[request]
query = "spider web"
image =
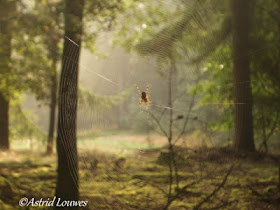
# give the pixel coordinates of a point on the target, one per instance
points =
(99, 156)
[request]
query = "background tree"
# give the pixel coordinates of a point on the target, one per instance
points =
(52, 40)
(266, 90)
(42, 79)
(48, 29)
(7, 10)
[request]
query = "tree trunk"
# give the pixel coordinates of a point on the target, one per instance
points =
(7, 8)
(170, 134)
(279, 78)
(4, 123)
(278, 75)
(52, 110)
(241, 14)
(67, 187)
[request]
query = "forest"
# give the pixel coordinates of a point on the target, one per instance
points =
(140, 104)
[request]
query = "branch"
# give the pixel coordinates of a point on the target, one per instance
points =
(183, 192)
(158, 122)
(187, 118)
(274, 126)
(146, 182)
(260, 196)
(207, 198)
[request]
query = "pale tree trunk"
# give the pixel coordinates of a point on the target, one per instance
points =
(241, 14)
(52, 109)
(67, 187)
(53, 49)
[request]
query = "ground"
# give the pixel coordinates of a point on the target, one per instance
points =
(129, 172)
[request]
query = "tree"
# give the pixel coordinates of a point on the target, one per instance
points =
(7, 9)
(47, 19)
(52, 42)
(53, 100)
(66, 142)
(46, 16)
(241, 15)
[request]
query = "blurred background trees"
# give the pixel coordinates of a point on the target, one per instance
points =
(195, 36)
(212, 68)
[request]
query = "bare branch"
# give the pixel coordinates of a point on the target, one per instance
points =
(274, 126)
(187, 118)
(146, 182)
(207, 198)
(183, 192)
(158, 122)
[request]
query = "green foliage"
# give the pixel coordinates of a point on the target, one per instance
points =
(265, 69)
(217, 88)
(22, 125)
(99, 103)
(33, 67)
(100, 16)
(43, 27)
(142, 20)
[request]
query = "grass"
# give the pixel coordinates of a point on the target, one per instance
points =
(121, 143)
(141, 182)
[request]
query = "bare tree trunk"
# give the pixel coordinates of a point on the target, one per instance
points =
(171, 141)
(6, 8)
(4, 123)
(67, 187)
(171, 163)
(279, 77)
(170, 134)
(244, 137)
(53, 50)
(52, 110)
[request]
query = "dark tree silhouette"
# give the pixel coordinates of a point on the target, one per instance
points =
(4, 122)
(6, 9)
(67, 179)
(241, 14)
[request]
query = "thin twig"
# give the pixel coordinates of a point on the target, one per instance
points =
(186, 119)
(182, 192)
(158, 122)
(207, 198)
(152, 184)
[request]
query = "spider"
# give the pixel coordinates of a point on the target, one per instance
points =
(144, 96)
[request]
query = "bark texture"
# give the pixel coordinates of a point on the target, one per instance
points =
(67, 187)
(241, 15)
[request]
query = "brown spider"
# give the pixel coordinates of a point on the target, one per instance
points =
(144, 96)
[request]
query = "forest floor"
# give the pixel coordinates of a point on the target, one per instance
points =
(135, 175)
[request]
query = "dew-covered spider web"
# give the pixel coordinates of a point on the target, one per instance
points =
(134, 155)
